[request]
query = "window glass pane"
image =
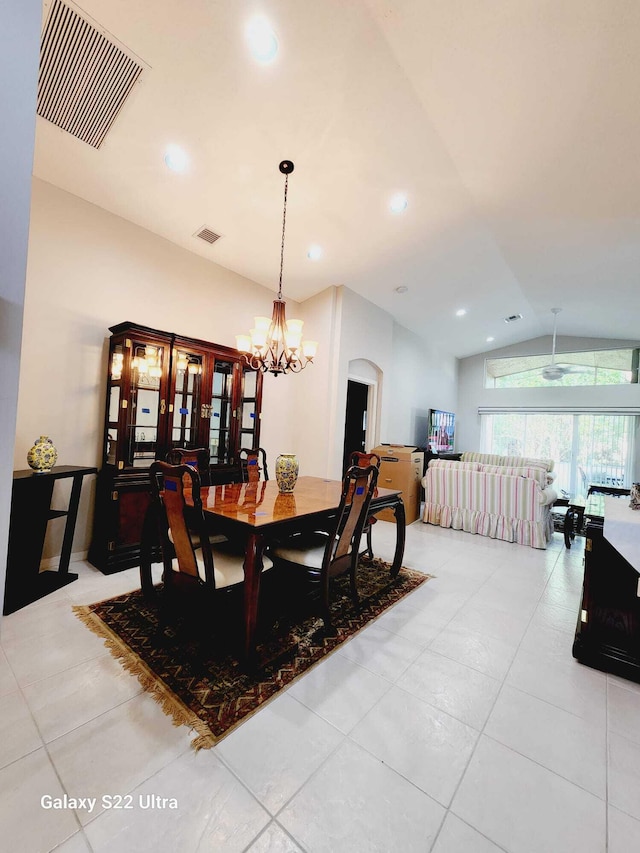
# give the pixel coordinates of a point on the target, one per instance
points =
(250, 383)
(597, 367)
(585, 448)
(248, 415)
(247, 440)
(112, 441)
(114, 404)
(219, 446)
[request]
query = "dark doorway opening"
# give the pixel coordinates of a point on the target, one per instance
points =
(355, 424)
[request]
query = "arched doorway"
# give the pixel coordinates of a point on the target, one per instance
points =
(361, 414)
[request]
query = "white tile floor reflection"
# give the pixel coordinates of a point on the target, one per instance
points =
(457, 723)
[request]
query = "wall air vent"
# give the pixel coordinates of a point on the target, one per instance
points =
(512, 318)
(85, 75)
(207, 235)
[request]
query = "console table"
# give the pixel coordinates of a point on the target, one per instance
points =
(30, 513)
(608, 630)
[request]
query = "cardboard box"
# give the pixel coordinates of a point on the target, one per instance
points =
(401, 467)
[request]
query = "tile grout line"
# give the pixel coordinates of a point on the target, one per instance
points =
(473, 751)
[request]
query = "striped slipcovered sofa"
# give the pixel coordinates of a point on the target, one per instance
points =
(503, 502)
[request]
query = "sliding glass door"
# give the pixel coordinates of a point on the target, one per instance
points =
(586, 448)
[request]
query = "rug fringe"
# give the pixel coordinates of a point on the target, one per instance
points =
(171, 704)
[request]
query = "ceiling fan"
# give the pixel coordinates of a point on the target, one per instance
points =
(553, 372)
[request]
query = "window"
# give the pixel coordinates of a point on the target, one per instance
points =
(600, 367)
(585, 448)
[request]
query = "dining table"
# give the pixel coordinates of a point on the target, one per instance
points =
(258, 513)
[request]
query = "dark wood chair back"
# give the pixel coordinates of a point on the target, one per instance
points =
(198, 457)
(169, 486)
(341, 552)
(254, 464)
(364, 459)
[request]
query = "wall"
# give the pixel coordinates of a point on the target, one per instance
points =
(423, 379)
(472, 393)
(88, 270)
(314, 413)
(413, 377)
(19, 47)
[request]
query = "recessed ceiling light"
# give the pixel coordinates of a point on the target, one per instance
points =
(176, 158)
(461, 312)
(314, 253)
(402, 288)
(263, 43)
(398, 203)
(489, 339)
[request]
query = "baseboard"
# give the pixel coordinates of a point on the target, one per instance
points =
(52, 562)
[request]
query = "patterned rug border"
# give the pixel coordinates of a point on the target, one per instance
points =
(171, 704)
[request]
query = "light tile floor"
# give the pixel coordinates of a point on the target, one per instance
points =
(457, 723)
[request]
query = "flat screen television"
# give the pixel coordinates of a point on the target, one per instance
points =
(441, 431)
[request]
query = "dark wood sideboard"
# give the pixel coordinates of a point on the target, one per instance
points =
(31, 511)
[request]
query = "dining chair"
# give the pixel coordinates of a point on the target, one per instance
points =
(191, 564)
(323, 556)
(197, 456)
(362, 460)
(253, 463)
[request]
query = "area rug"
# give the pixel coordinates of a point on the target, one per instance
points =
(210, 691)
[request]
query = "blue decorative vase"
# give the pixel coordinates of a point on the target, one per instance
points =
(286, 472)
(42, 456)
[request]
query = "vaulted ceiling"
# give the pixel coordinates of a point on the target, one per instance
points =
(513, 128)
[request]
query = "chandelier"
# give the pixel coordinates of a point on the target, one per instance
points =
(275, 345)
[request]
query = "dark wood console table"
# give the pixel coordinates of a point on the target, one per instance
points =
(30, 512)
(608, 630)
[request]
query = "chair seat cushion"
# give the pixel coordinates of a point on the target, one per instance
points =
(305, 550)
(227, 565)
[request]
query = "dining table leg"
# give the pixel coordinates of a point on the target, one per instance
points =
(252, 573)
(401, 532)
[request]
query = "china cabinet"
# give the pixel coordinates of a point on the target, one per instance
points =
(165, 390)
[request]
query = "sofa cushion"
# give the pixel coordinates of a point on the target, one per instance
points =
(450, 463)
(538, 474)
(511, 461)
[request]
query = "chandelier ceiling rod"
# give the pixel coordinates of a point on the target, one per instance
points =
(275, 345)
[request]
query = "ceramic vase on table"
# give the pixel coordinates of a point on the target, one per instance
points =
(286, 472)
(42, 456)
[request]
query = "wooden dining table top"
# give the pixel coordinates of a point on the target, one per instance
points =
(260, 504)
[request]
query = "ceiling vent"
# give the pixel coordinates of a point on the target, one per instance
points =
(207, 235)
(85, 75)
(512, 318)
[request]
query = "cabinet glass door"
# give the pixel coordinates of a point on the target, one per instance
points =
(187, 397)
(249, 409)
(222, 412)
(113, 404)
(144, 406)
